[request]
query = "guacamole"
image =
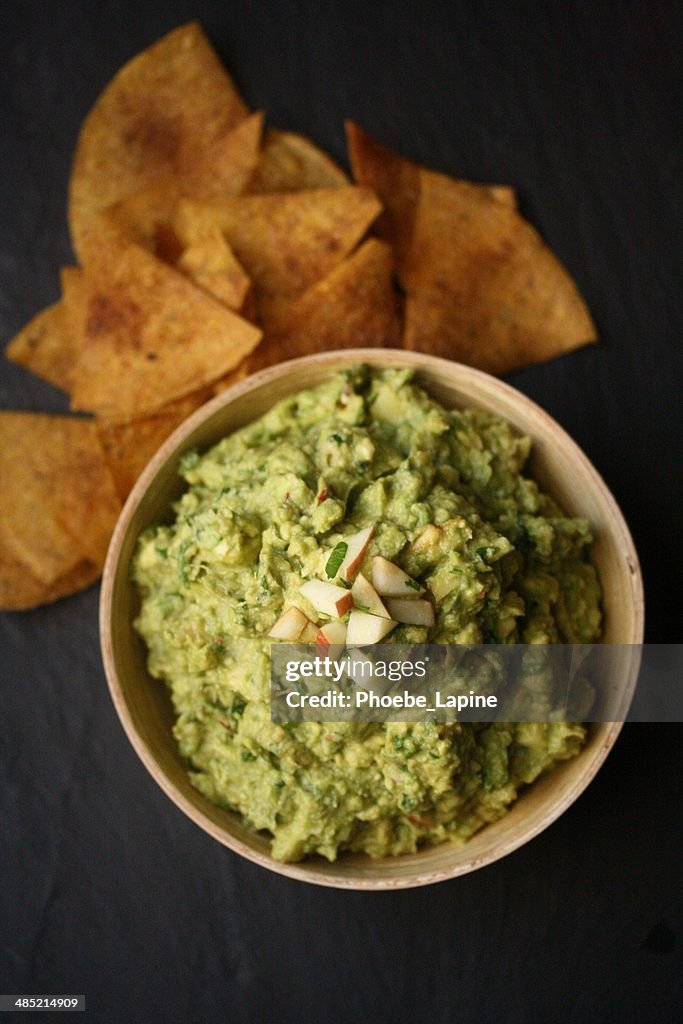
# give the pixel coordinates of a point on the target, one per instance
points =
(262, 510)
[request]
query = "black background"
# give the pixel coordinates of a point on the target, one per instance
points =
(106, 888)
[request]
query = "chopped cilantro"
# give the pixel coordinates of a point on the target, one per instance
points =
(238, 706)
(336, 558)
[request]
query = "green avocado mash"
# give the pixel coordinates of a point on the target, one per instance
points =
(263, 509)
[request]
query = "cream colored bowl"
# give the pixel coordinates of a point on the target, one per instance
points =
(143, 704)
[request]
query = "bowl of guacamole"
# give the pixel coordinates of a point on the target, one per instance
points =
(463, 485)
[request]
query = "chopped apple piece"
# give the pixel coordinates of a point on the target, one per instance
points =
(332, 637)
(332, 633)
(413, 613)
(309, 634)
(290, 625)
(429, 538)
(327, 598)
(355, 553)
(390, 581)
(367, 629)
(365, 594)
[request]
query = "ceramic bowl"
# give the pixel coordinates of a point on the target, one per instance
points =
(557, 464)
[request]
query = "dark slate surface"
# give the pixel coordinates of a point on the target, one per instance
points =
(106, 888)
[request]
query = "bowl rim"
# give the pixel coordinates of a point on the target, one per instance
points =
(299, 870)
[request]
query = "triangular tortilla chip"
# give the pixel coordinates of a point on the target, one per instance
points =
(240, 372)
(286, 240)
(353, 307)
(74, 294)
(146, 217)
(58, 504)
(224, 166)
(290, 162)
(209, 261)
(396, 180)
(482, 287)
(20, 590)
(150, 336)
(128, 447)
(46, 347)
(165, 106)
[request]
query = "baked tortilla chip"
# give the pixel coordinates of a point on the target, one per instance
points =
(46, 347)
(240, 373)
(353, 307)
(73, 304)
(396, 180)
(150, 336)
(144, 217)
(224, 166)
(209, 261)
(290, 162)
(286, 240)
(20, 590)
(58, 505)
(128, 447)
(481, 285)
(164, 107)
(147, 219)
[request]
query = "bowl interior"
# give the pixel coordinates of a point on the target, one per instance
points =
(143, 703)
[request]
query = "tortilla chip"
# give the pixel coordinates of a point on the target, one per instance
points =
(286, 241)
(504, 194)
(128, 447)
(355, 306)
(165, 106)
(290, 162)
(209, 261)
(224, 166)
(58, 505)
(144, 217)
(46, 347)
(482, 287)
(396, 180)
(150, 336)
(240, 373)
(20, 590)
(73, 303)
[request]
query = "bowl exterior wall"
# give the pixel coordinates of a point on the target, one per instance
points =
(559, 466)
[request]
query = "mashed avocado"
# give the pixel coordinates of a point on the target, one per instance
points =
(260, 514)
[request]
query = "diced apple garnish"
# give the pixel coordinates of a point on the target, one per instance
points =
(332, 638)
(365, 629)
(413, 613)
(366, 597)
(327, 598)
(390, 581)
(429, 538)
(309, 634)
(332, 633)
(358, 545)
(290, 625)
